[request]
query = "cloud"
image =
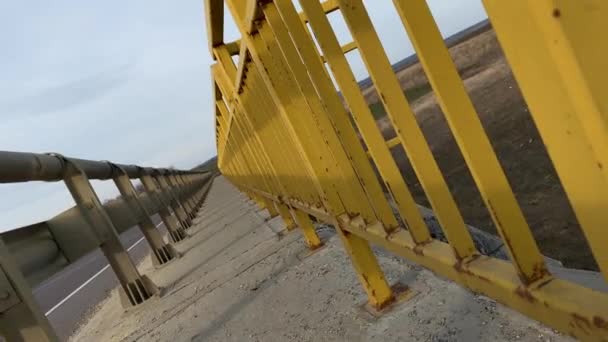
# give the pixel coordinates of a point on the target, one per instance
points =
(68, 94)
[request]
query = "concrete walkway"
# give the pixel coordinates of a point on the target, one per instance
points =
(242, 279)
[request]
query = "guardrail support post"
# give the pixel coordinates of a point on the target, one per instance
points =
(184, 198)
(176, 233)
(173, 201)
(202, 193)
(308, 229)
(137, 288)
(194, 196)
(178, 191)
(162, 252)
(183, 194)
(20, 316)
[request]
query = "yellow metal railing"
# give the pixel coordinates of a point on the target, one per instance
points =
(285, 138)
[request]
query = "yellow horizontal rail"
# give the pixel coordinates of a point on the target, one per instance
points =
(346, 48)
(329, 6)
(298, 146)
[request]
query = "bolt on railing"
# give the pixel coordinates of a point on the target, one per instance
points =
(177, 196)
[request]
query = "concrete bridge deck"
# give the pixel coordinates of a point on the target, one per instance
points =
(242, 277)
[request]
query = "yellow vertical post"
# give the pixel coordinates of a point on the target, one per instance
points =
(259, 202)
(308, 72)
(551, 107)
(273, 130)
(405, 125)
(335, 179)
(308, 229)
(223, 72)
(331, 157)
(568, 31)
(270, 207)
(433, 183)
(252, 154)
(250, 171)
(368, 270)
(461, 117)
(301, 139)
(338, 184)
(285, 213)
(280, 106)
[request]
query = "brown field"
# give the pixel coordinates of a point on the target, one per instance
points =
(505, 117)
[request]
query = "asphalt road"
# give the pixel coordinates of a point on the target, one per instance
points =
(66, 297)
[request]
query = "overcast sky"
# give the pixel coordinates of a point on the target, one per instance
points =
(128, 81)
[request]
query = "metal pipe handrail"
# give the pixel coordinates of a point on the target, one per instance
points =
(24, 167)
(90, 225)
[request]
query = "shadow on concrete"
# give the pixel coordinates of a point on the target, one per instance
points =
(216, 214)
(224, 317)
(221, 250)
(210, 234)
(237, 307)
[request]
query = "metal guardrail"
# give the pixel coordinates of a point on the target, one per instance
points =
(285, 139)
(32, 254)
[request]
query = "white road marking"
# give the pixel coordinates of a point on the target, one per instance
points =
(61, 302)
(133, 245)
